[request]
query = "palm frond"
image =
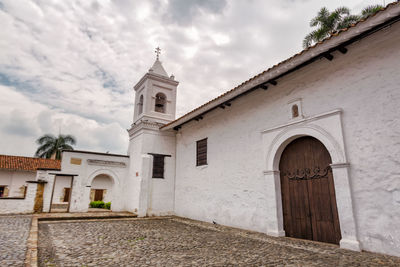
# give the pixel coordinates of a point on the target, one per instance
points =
(45, 139)
(42, 150)
(370, 10)
(50, 145)
(320, 18)
(347, 21)
(342, 10)
(321, 33)
(69, 139)
(308, 40)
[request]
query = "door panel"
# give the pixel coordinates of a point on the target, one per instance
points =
(308, 193)
(98, 195)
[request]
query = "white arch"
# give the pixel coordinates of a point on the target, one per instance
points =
(327, 128)
(106, 172)
(291, 133)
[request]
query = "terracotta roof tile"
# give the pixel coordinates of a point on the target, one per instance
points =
(17, 163)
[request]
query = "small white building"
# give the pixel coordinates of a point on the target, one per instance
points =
(18, 183)
(308, 148)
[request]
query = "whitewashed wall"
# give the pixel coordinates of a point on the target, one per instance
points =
(15, 180)
(147, 195)
(87, 172)
(61, 183)
(14, 206)
(363, 83)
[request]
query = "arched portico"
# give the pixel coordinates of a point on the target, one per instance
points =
(102, 184)
(327, 129)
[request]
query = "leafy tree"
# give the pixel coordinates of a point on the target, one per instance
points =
(370, 10)
(328, 23)
(50, 145)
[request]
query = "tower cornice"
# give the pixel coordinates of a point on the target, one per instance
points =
(155, 77)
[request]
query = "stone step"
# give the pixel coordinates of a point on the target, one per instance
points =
(86, 216)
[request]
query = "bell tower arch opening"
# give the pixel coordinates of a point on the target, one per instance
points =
(155, 95)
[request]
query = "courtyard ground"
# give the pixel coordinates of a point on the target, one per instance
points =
(181, 242)
(14, 232)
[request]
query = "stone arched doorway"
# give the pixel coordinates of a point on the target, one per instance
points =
(326, 128)
(308, 192)
(101, 188)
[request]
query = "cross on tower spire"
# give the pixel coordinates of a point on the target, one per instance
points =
(158, 52)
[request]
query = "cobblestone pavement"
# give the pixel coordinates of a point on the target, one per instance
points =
(14, 231)
(181, 242)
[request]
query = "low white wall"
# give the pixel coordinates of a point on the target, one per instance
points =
(14, 180)
(12, 206)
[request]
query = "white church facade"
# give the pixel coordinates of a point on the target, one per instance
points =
(309, 148)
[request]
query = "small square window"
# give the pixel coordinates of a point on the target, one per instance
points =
(201, 152)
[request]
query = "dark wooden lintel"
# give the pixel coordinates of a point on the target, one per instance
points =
(342, 50)
(223, 105)
(37, 182)
(328, 56)
(156, 154)
(199, 118)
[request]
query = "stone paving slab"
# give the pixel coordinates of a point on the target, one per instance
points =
(14, 232)
(182, 242)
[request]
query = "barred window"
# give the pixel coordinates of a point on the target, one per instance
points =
(201, 152)
(158, 166)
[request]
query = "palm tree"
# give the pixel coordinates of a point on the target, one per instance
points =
(50, 145)
(370, 10)
(328, 23)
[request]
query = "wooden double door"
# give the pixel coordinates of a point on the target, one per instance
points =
(308, 192)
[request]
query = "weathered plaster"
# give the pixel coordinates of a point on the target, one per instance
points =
(233, 189)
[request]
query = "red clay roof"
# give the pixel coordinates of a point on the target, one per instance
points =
(17, 163)
(182, 118)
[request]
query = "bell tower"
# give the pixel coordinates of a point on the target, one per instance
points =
(155, 95)
(149, 188)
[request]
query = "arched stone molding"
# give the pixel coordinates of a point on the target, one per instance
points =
(327, 128)
(293, 132)
(107, 172)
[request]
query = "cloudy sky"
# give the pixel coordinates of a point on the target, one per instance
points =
(70, 66)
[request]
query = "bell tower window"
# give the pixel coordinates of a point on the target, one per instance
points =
(161, 101)
(140, 105)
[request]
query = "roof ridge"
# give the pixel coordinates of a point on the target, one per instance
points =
(281, 62)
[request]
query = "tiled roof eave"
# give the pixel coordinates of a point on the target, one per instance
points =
(26, 164)
(17, 170)
(391, 12)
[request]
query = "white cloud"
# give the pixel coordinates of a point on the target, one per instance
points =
(73, 63)
(22, 121)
